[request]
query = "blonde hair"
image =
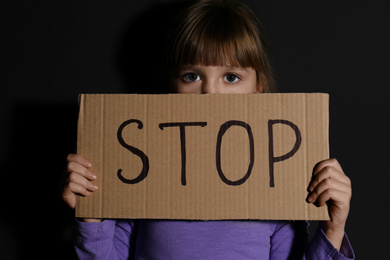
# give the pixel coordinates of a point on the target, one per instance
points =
(221, 33)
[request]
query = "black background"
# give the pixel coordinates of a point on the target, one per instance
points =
(53, 50)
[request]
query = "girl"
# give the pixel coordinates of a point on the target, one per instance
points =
(217, 47)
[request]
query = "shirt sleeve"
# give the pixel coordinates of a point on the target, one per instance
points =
(109, 239)
(321, 248)
(290, 241)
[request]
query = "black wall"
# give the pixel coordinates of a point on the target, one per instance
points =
(52, 50)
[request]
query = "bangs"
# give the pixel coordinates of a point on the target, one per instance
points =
(220, 33)
(219, 37)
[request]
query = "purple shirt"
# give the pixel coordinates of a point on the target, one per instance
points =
(169, 239)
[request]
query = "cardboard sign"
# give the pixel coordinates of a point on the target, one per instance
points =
(206, 157)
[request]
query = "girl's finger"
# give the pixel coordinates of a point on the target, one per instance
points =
(326, 188)
(328, 173)
(78, 168)
(74, 177)
(333, 163)
(75, 188)
(334, 195)
(79, 159)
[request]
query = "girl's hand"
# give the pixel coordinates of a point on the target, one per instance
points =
(79, 181)
(330, 186)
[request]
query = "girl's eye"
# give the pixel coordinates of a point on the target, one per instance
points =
(231, 78)
(191, 77)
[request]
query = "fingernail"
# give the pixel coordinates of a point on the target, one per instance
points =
(94, 187)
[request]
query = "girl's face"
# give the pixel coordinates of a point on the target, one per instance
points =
(199, 79)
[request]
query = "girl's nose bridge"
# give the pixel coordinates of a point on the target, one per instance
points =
(210, 87)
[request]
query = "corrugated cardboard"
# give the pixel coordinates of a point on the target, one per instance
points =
(221, 156)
